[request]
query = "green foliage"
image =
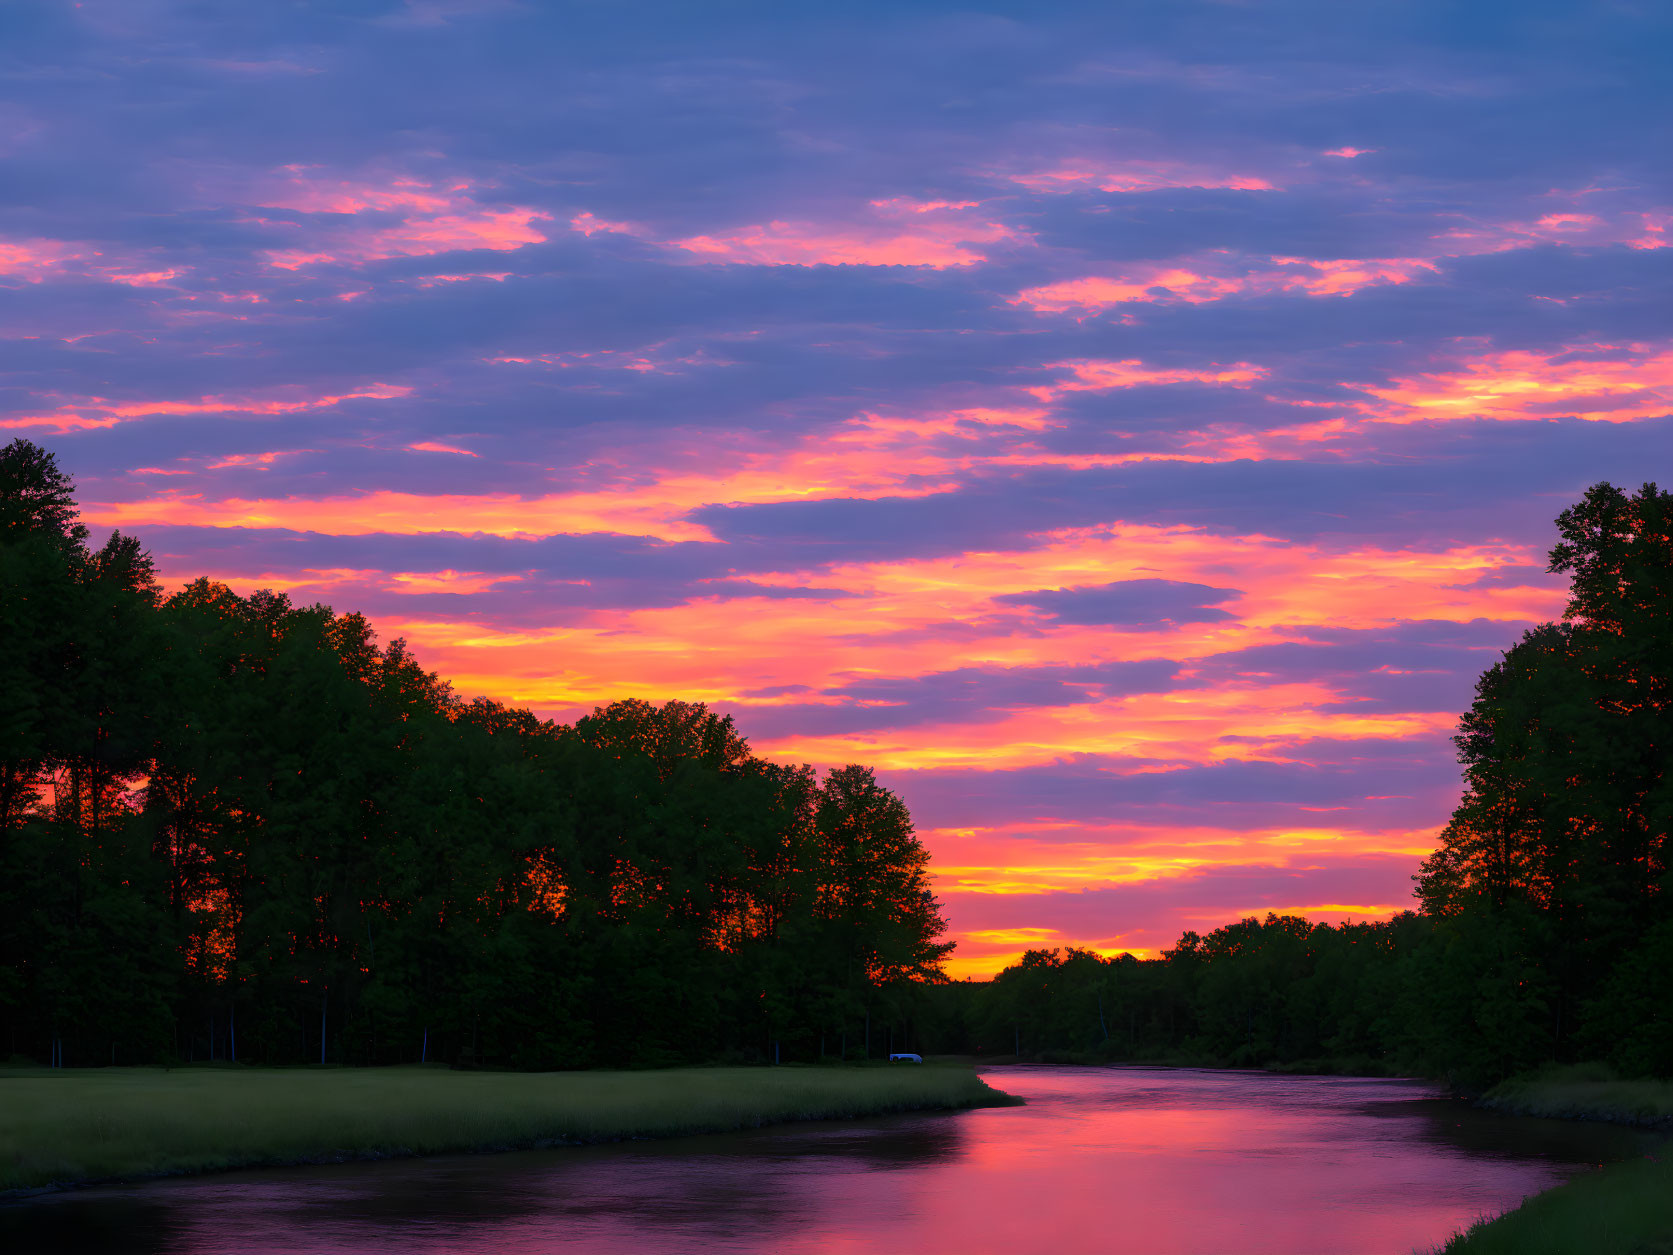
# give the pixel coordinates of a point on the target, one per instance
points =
(237, 827)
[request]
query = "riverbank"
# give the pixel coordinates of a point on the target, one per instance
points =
(75, 1127)
(1624, 1209)
(1585, 1092)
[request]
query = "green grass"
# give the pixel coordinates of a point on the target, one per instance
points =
(1586, 1091)
(63, 1127)
(1625, 1209)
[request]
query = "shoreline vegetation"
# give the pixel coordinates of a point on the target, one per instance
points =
(1585, 1092)
(62, 1128)
(1623, 1209)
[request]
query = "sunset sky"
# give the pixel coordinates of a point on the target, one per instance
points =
(1129, 427)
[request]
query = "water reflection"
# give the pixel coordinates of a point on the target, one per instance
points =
(1151, 1161)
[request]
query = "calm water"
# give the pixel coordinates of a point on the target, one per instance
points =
(1128, 1161)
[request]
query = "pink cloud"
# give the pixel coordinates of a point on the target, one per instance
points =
(1635, 229)
(1216, 276)
(145, 279)
(1654, 226)
(494, 276)
(1213, 278)
(811, 244)
(905, 204)
(415, 219)
(33, 260)
(37, 260)
(307, 194)
(260, 461)
(1090, 374)
(1135, 176)
(1095, 292)
(588, 224)
(96, 412)
(1348, 152)
(649, 362)
(896, 232)
(432, 446)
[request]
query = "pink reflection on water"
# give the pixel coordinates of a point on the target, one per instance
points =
(1124, 1161)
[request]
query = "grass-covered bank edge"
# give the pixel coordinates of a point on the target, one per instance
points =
(1585, 1091)
(61, 1128)
(1624, 1209)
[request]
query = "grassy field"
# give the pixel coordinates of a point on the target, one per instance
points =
(63, 1127)
(1624, 1209)
(1585, 1092)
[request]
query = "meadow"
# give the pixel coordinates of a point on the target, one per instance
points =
(67, 1127)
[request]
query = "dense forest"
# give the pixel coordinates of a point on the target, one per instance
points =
(233, 827)
(1545, 928)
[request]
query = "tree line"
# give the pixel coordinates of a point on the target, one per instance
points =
(1544, 928)
(234, 827)
(238, 828)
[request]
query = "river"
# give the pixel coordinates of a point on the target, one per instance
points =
(1113, 1161)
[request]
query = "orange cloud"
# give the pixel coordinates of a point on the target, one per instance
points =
(891, 622)
(974, 868)
(1633, 382)
(459, 583)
